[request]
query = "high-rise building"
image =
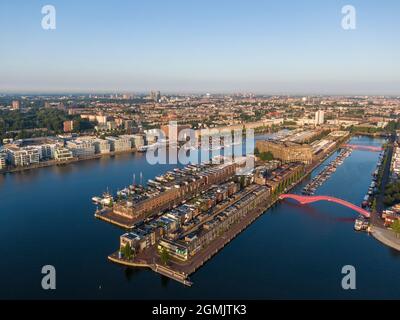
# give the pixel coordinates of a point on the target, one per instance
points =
(155, 95)
(319, 117)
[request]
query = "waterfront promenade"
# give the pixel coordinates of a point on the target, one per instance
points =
(50, 163)
(386, 236)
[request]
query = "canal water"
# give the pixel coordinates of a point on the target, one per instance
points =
(292, 251)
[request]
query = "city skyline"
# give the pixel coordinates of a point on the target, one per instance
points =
(262, 47)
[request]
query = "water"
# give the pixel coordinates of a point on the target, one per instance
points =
(46, 218)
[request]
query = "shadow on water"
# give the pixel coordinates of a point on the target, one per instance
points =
(165, 281)
(394, 253)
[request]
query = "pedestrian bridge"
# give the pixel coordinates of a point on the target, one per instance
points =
(311, 199)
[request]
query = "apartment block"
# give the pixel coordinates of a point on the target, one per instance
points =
(21, 157)
(118, 144)
(101, 146)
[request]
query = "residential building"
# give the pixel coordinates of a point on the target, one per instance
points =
(3, 158)
(155, 95)
(81, 148)
(63, 154)
(138, 140)
(101, 146)
(184, 185)
(111, 125)
(166, 130)
(21, 157)
(47, 150)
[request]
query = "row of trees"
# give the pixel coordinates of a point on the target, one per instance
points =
(390, 128)
(51, 119)
(19, 125)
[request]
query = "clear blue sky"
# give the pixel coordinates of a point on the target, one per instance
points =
(285, 46)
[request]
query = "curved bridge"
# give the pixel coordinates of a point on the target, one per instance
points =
(311, 199)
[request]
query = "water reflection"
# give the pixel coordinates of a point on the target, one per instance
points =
(131, 273)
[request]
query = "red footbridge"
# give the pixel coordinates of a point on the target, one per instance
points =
(311, 199)
(363, 148)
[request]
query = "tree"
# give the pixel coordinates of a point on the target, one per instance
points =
(165, 257)
(266, 156)
(396, 227)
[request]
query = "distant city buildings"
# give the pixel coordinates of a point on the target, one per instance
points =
(175, 188)
(166, 130)
(63, 154)
(138, 140)
(155, 96)
(395, 165)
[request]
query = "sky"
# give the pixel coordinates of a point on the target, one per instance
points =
(182, 46)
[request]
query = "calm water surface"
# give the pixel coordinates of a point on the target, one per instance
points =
(292, 251)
